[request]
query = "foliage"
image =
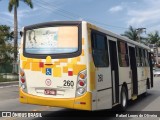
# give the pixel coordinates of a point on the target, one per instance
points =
(151, 38)
(154, 38)
(6, 48)
(131, 33)
(15, 3)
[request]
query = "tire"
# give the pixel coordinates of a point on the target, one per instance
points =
(124, 99)
(145, 94)
(148, 84)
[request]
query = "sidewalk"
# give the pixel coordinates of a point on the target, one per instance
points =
(9, 83)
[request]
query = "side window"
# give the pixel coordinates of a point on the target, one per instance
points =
(99, 49)
(101, 42)
(138, 57)
(123, 54)
(146, 58)
(143, 57)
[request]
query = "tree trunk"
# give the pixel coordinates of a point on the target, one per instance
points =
(15, 39)
(15, 33)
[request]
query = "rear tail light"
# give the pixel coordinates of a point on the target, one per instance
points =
(23, 86)
(80, 91)
(22, 80)
(82, 83)
(21, 73)
(82, 75)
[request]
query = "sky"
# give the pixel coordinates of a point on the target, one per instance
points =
(113, 15)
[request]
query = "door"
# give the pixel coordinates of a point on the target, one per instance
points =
(133, 66)
(114, 71)
(151, 67)
(102, 71)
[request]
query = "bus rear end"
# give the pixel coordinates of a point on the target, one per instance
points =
(53, 66)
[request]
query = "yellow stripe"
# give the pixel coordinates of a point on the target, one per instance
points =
(35, 67)
(48, 60)
(92, 76)
(37, 60)
(82, 53)
(57, 72)
(65, 69)
(23, 58)
(87, 98)
(29, 59)
(58, 102)
(63, 60)
(74, 61)
(25, 65)
(78, 68)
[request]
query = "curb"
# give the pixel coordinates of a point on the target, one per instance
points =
(9, 83)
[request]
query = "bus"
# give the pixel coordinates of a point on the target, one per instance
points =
(78, 65)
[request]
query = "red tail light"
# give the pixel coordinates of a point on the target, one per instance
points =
(81, 83)
(22, 80)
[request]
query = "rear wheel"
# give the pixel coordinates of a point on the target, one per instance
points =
(148, 84)
(124, 99)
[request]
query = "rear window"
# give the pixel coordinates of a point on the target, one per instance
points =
(52, 40)
(59, 39)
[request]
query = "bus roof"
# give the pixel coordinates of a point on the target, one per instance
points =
(119, 36)
(100, 29)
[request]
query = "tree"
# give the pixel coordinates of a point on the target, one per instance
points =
(14, 4)
(131, 33)
(154, 38)
(6, 49)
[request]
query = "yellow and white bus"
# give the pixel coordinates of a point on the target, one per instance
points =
(75, 64)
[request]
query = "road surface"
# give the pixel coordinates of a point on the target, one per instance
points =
(9, 102)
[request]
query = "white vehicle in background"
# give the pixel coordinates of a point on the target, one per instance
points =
(156, 72)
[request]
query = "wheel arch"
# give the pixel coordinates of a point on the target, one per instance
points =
(126, 87)
(123, 88)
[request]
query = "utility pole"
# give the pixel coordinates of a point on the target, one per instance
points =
(139, 32)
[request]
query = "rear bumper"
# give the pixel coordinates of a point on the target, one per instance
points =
(73, 103)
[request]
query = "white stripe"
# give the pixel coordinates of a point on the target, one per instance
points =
(8, 86)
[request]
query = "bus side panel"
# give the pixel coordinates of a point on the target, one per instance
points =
(100, 80)
(91, 68)
(143, 74)
(124, 77)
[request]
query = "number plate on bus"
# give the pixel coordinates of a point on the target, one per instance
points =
(49, 92)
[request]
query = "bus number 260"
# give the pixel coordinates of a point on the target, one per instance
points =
(68, 83)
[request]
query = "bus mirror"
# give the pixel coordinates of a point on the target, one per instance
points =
(21, 33)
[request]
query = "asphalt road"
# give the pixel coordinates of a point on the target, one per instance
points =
(150, 102)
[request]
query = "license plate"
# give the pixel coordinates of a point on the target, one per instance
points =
(49, 92)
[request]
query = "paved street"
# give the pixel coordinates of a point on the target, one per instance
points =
(9, 102)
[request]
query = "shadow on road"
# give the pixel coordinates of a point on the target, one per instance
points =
(136, 106)
(143, 101)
